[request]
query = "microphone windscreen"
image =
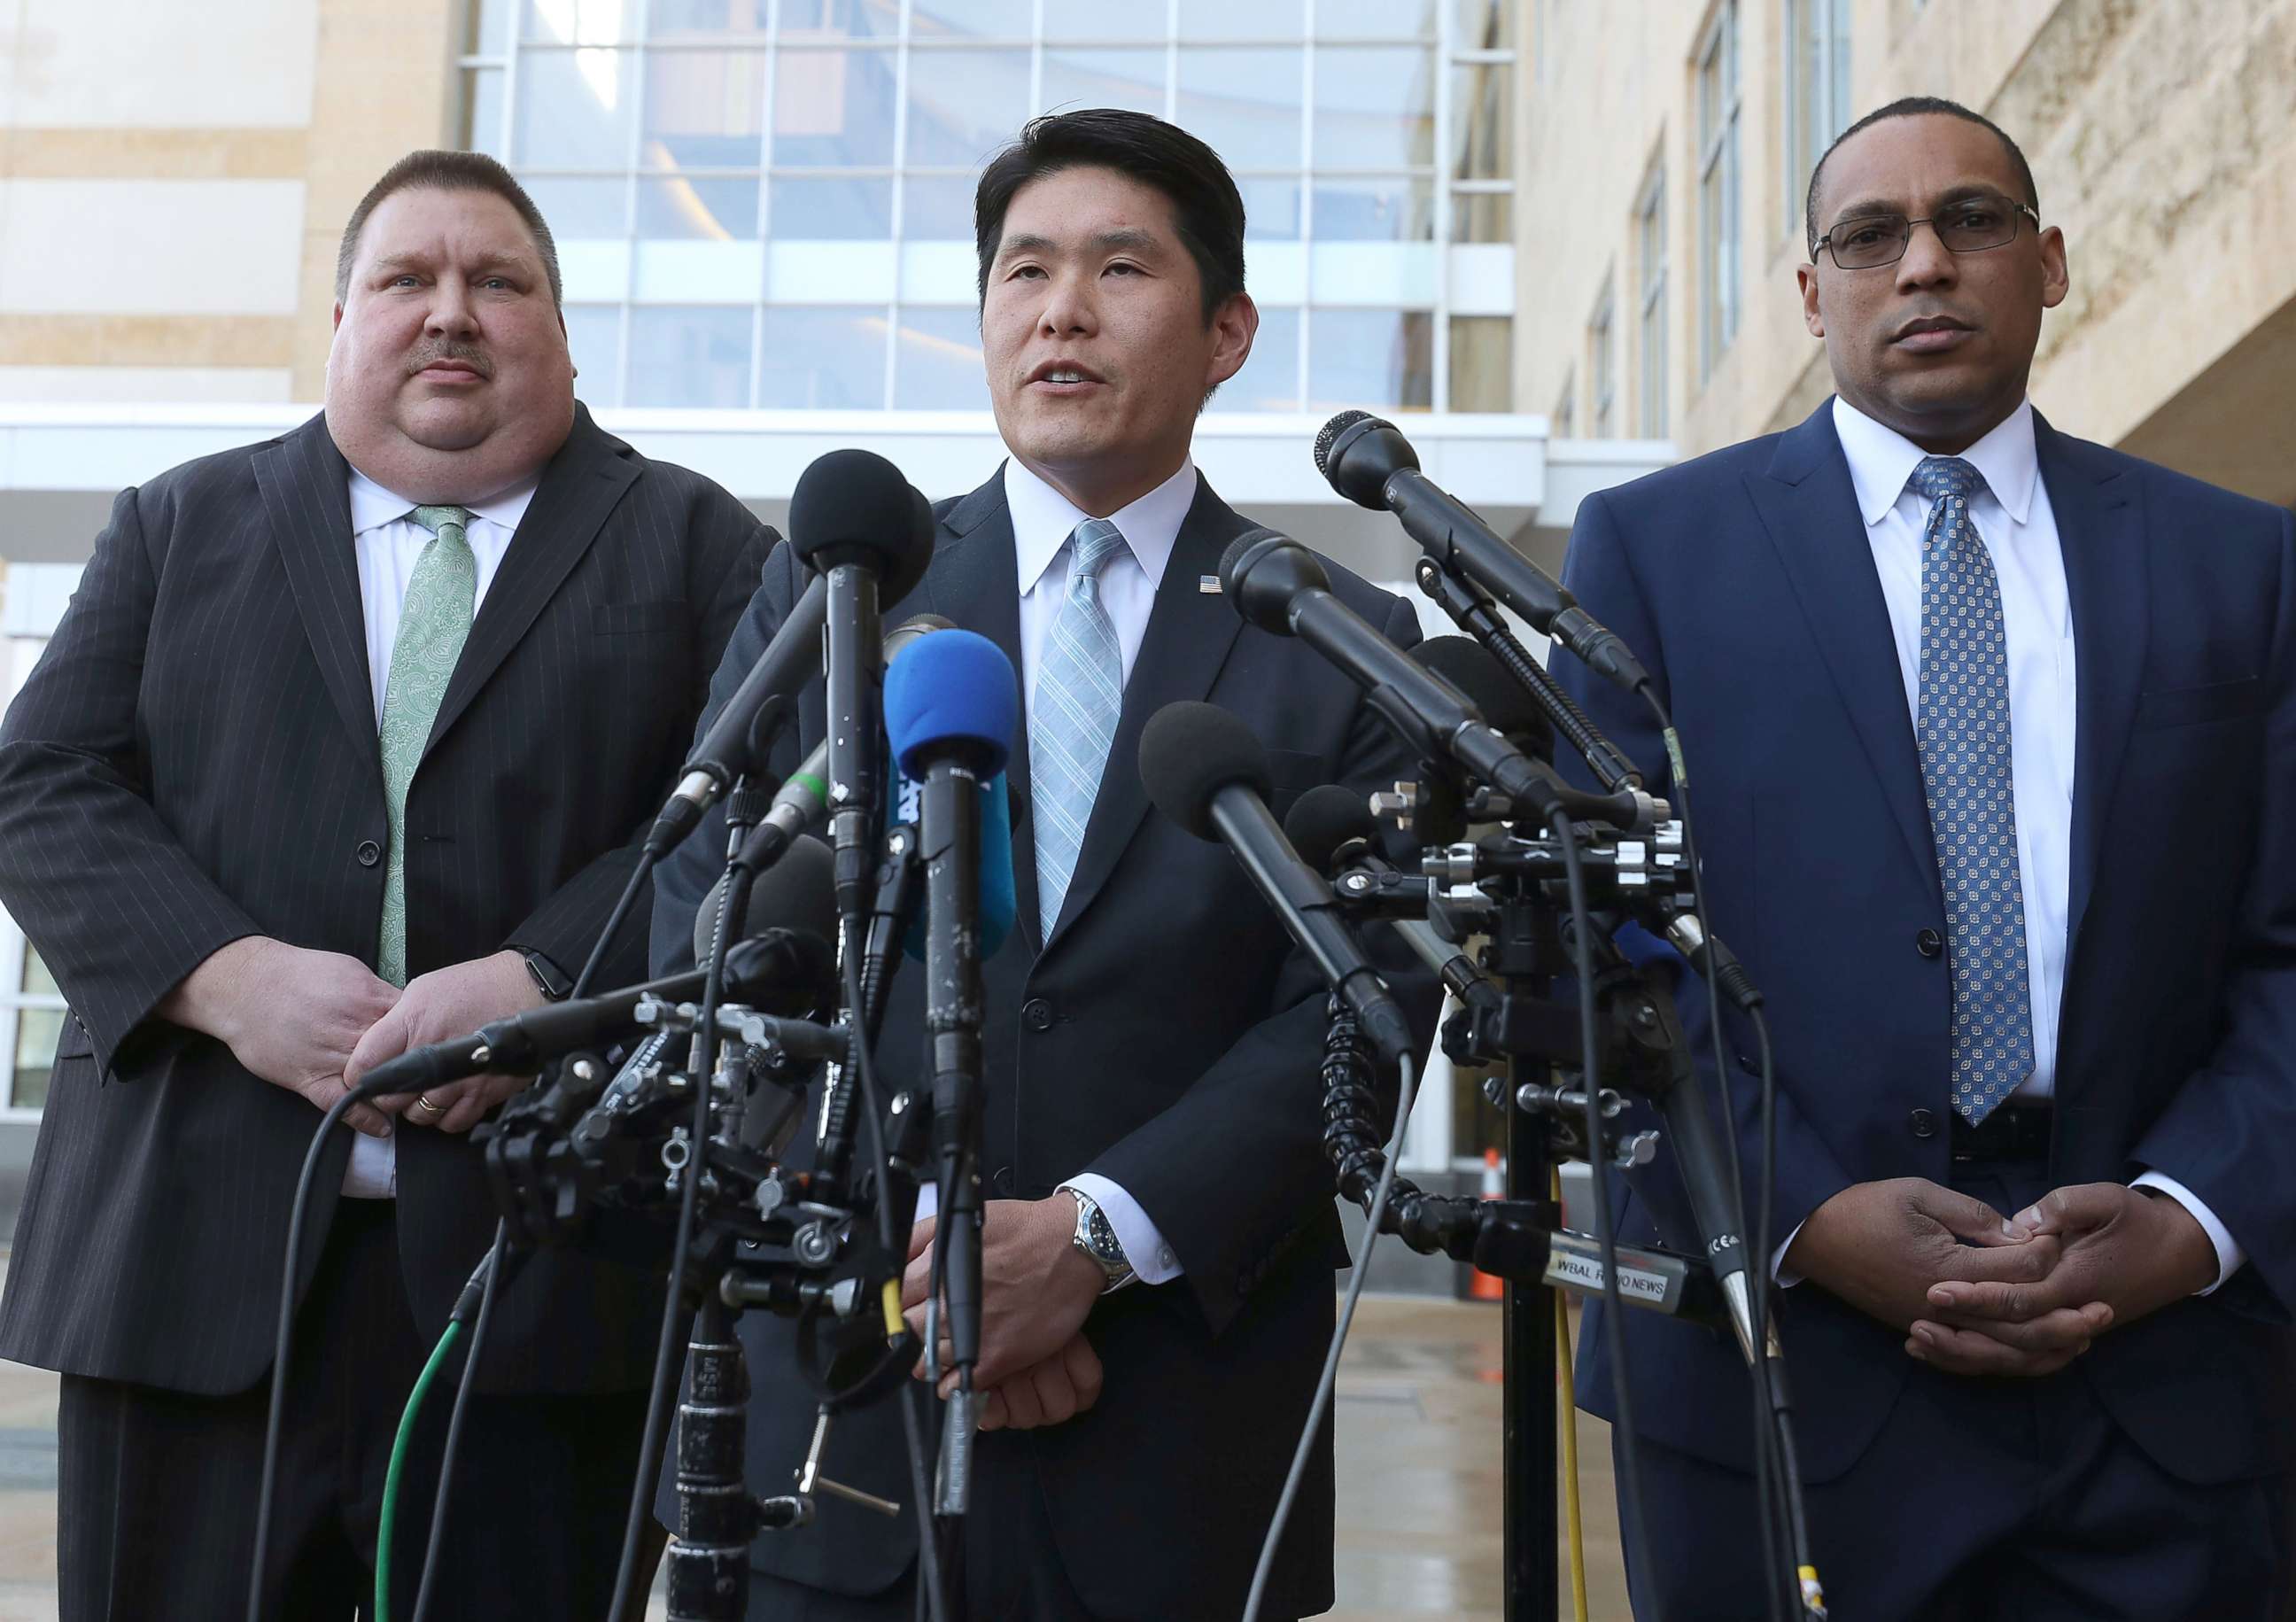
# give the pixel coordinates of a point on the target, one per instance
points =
(951, 692)
(798, 892)
(1324, 819)
(1358, 453)
(1189, 752)
(1506, 702)
(999, 902)
(1262, 571)
(853, 506)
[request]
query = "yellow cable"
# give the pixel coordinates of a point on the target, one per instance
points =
(1566, 1398)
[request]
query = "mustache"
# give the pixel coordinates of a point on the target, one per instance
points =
(470, 354)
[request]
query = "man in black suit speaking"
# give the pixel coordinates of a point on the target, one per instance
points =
(341, 747)
(1161, 1233)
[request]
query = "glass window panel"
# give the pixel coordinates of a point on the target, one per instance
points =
(576, 109)
(1484, 25)
(805, 20)
(1482, 100)
(822, 359)
(1376, 18)
(704, 110)
(581, 211)
(981, 18)
(482, 110)
(1104, 19)
(1271, 208)
(809, 208)
(1270, 379)
(937, 207)
(1389, 209)
(37, 981)
(580, 22)
(1371, 358)
(36, 1032)
(1127, 78)
(488, 27)
(593, 337)
(1225, 20)
(964, 105)
(1482, 216)
(833, 109)
(676, 18)
(679, 208)
(1374, 108)
(689, 355)
(1483, 363)
(939, 365)
(1244, 104)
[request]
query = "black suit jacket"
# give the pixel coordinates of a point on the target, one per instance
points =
(1167, 1037)
(194, 760)
(1745, 582)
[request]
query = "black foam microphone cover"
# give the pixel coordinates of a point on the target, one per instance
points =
(1506, 702)
(1189, 752)
(797, 893)
(853, 506)
(1325, 818)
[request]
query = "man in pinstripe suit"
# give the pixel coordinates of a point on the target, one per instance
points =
(342, 747)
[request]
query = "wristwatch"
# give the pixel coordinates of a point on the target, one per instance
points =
(1097, 1238)
(547, 977)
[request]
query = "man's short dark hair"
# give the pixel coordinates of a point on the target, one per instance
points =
(1206, 206)
(1909, 106)
(446, 171)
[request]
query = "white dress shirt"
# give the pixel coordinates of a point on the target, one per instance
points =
(387, 541)
(2013, 516)
(1043, 519)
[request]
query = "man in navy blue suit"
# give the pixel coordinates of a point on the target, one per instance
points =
(1993, 734)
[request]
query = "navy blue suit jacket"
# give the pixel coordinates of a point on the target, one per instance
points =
(1745, 581)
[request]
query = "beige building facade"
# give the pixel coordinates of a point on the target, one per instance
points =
(1667, 144)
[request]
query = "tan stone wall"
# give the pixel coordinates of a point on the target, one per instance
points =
(2163, 136)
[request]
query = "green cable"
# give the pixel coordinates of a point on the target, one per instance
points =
(399, 1463)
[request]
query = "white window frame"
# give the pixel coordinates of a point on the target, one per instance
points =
(1814, 109)
(1601, 361)
(1719, 99)
(1650, 251)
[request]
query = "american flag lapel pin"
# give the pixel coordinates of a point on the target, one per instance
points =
(1209, 584)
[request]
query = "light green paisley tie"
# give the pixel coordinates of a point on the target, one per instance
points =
(434, 622)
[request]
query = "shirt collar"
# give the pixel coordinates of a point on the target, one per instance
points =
(373, 506)
(1882, 460)
(1043, 520)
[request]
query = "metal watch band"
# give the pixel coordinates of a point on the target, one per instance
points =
(1097, 1238)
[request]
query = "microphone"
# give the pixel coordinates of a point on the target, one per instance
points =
(1279, 585)
(724, 751)
(868, 532)
(1203, 768)
(999, 902)
(795, 893)
(1367, 460)
(803, 798)
(786, 969)
(1476, 672)
(951, 704)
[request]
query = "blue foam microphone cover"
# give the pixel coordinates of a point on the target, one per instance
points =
(967, 698)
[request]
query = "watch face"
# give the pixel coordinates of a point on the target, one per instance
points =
(1103, 1238)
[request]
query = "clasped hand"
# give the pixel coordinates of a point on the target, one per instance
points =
(1981, 1294)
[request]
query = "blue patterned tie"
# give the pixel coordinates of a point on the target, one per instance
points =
(1080, 695)
(1972, 799)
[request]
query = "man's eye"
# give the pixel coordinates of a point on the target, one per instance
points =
(1980, 217)
(1120, 267)
(1863, 236)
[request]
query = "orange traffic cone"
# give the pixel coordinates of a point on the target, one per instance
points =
(1488, 1286)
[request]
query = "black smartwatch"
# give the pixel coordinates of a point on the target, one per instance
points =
(548, 979)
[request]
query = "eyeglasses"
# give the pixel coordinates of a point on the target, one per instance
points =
(1872, 241)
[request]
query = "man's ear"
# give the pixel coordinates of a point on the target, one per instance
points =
(1235, 325)
(1812, 317)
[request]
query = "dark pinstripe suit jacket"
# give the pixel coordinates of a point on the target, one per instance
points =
(194, 760)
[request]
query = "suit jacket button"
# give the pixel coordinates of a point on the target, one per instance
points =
(369, 853)
(1037, 1014)
(1924, 1123)
(1929, 943)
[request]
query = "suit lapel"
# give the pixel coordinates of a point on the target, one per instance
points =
(1810, 508)
(1190, 632)
(306, 485)
(974, 581)
(2102, 539)
(580, 489)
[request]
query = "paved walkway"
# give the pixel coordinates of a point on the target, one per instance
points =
(1419, 1417)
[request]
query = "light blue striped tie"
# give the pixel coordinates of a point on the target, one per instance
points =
(1973, 794)
(1080, 695)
